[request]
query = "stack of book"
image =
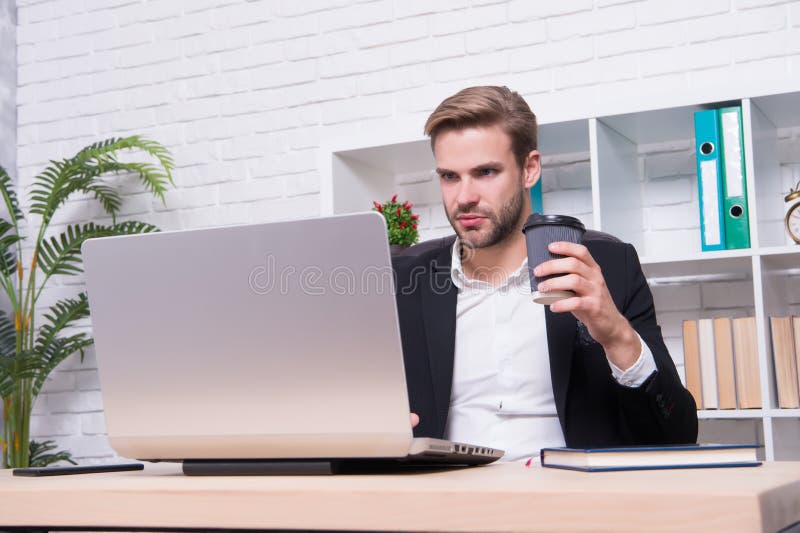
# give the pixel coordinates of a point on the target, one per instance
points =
(721, 362)
(786, 356)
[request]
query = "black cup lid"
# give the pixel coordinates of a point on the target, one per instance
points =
(537, 219)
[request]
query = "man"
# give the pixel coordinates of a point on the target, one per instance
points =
(487, 365)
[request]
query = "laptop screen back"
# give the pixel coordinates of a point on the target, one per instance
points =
(271, 340)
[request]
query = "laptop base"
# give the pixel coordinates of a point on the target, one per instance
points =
(288, 467)
(199, 467)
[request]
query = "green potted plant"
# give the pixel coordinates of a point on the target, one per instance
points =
(30, 352)
(401, 223)
(40, 455)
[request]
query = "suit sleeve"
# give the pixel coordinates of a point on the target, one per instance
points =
(661, 410)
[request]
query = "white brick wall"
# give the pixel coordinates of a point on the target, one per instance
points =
(8, 87)
(8, 98)
(244, 92)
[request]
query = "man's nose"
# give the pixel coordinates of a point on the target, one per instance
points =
(467, 192)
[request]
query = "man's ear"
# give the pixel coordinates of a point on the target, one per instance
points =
(532, 170)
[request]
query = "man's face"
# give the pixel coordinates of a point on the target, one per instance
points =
(483, 189)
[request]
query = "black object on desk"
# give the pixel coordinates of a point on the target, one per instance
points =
(77, 469)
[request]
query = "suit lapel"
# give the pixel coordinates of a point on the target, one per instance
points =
(561, 329)
(439, 300)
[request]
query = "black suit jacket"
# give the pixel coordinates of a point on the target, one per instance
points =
(594, 410)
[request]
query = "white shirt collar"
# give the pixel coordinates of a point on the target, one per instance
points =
(461, 281)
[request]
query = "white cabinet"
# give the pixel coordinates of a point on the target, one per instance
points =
(634, 175)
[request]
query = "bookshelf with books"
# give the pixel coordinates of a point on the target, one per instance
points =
(632, 173)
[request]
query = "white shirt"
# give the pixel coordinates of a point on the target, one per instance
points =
(502, 393)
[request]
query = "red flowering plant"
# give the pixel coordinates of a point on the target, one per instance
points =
(401, 222)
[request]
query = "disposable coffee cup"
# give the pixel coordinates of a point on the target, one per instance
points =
(540, 231)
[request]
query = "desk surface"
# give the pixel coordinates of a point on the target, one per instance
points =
(505, 497)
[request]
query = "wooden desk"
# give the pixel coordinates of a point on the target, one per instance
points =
(507, 497)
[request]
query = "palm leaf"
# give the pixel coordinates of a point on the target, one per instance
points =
(104, 150)
(103, 155)
(54, 185)
(61, 254)
(81, 173)
(134, 227)
(61, 315)
(153, 179)
(9, 195)
(8, 336)
(8, 242)
(39, 456)
(104, 193)
(50, 348)
(51, 355)
(16, 367)
(156, 150)
(107, 196)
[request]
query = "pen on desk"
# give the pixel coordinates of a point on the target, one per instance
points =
(533, 459)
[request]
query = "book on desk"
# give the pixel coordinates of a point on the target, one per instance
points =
(650, 457)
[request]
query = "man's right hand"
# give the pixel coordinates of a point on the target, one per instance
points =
(414, 420)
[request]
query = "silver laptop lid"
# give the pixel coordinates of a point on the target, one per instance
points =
(276, 340)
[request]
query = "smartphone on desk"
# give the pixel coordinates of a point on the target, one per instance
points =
(77, 469)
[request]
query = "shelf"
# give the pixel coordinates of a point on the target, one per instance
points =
(711, 266)
(564, 138)
(782, 261)
(783, 110)
(724, 254)
(780, 250)
(739, 414)
(416, 156)
(633, 173)
(400, 158)
(700, 256)
(780, 280)
(721, 265)
(659, 125)
(784, 413)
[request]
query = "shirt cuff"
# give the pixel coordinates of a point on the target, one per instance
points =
(642, 369)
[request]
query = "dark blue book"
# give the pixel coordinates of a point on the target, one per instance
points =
(651, 457)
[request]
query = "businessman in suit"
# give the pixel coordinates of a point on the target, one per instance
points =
(487, 365)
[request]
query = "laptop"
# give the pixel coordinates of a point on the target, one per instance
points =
(275, 342)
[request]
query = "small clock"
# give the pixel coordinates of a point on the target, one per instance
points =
(793, 215)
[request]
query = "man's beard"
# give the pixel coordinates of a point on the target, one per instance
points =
(503, 223)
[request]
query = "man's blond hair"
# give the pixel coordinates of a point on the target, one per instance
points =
(487, 106)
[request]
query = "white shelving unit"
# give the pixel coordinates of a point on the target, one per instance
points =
(634, 175)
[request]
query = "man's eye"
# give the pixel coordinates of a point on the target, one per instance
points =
(448, 176)
(487, 172)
